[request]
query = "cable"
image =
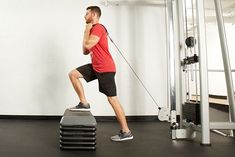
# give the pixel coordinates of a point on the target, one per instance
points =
(133, 71)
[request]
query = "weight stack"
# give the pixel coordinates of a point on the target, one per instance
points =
(77, 130)
(191, 112)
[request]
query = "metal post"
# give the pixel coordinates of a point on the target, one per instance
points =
(182, 79)
(204, 102)
(225, 54)
(168, 56)
(171, 65)
(171, 52)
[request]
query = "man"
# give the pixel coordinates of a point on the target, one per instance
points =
(95, 43)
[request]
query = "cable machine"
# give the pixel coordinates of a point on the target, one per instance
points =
(194, 116)
(186, 53)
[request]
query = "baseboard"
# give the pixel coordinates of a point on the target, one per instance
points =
(217, 96)
(224, 108)
(30, 117)
(150, 118)
(221, 107)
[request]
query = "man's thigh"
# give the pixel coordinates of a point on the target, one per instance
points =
(87, 72)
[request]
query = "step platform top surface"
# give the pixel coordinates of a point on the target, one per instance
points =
(77, 113)
(77, 118)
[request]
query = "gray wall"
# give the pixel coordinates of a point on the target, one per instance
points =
(217, 84)
(40, 42)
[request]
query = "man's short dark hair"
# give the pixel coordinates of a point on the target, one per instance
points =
(95, 9)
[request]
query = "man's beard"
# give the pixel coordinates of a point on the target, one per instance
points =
(88, 21)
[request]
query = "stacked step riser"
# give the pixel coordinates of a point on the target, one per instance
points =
(77, 131)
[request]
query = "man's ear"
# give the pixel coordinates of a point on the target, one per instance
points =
(93, 14)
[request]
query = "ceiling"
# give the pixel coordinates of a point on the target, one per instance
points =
(228, 8)
(208, 3)
(227, 5)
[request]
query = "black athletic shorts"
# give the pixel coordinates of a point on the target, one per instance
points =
(106, 80)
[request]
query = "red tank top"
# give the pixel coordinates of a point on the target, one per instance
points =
(101, 58)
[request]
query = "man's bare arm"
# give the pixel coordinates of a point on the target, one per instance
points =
(89, 40)
(85, 51)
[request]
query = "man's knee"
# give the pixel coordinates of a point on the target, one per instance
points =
(112, 99)
(75, 74)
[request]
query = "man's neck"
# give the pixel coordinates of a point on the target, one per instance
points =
(95, 21)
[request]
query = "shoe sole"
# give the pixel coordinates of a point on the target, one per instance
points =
(84, 110)
(124, 139)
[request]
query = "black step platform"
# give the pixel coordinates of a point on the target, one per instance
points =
(77, 130)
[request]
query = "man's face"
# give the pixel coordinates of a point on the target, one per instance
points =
(88, 16)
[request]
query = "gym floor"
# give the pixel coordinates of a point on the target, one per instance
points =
(38, 138)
